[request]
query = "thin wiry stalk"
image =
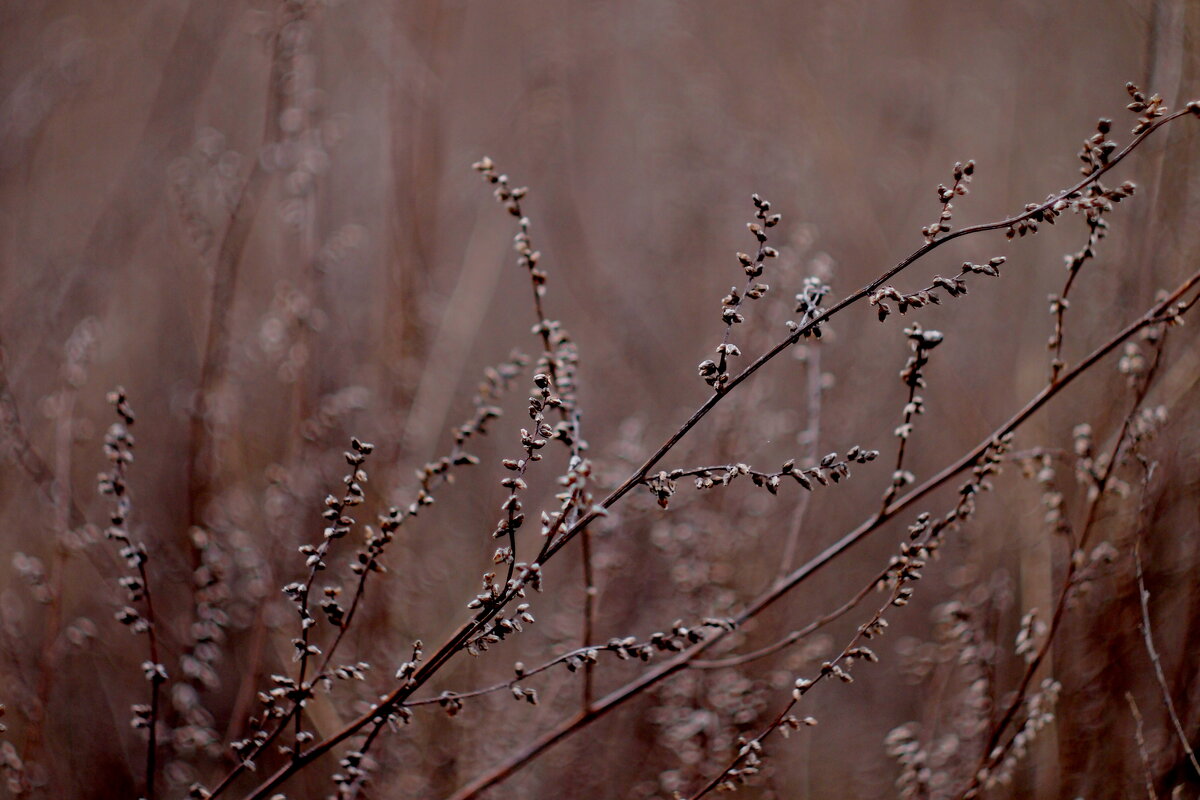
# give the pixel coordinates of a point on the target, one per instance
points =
(1061, 303)
(624, 649)
(922, 342)
(812, 441)
(118, 448)
(1152, 651)
(751, 748)
(797, 576)
(155, 693)
(589, 612)
(1140, 738)
(639, 475)
(554, 544)
(994, 752)
(797, 635)
(497, 380)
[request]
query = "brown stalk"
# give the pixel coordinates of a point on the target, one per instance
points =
(812, 441)
(633, 688)
(1152, 651)
(991, 755)
(1140, 738)
(452, 645)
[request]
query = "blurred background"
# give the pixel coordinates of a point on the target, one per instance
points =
(260, 219)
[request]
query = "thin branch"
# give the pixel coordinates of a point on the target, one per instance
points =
(625, 649)
(635, 687)
(1152, 651)
(589, 613)
(803, 331)
(794, 636)
(553, 545)
(811, 441)
(118, 449)
(995, 752)
(1140, 738)
(922, 342)
(749, 752)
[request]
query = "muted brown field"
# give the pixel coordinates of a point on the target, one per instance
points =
(261, 220)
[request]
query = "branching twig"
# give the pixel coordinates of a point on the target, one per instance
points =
(118, 448)
(632, 689)
(997, 749)
(554, 544)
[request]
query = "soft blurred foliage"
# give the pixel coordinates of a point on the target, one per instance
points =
(272, 203)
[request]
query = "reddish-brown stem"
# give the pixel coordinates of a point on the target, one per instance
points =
(1152, 651)
(589, 611)
(992, 753)
(831, 552)
(775, 723)
(797, 635)
(456, 641)
(1061, 303)
(812, 440)
(155, 683)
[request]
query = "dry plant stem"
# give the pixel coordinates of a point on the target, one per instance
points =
(358, 783)
(155, 683)
(1140, 738)
(568, 413)
(119, 449)
(1152, 651)
(433, 475)
(577, 654)
(812, 437)
(529, 258)
(371, 737)
(716, 374)
(994, 752)
(635, 687)
(794, 636)
(498, 687)
(317, 560)
(1061, 303)
(447, 650)
(294, 715)
(910, 411)
(778, 721)
(428, 484)
(152, 744)
(589, 612)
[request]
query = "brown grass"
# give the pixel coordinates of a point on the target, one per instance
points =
(614, 573)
